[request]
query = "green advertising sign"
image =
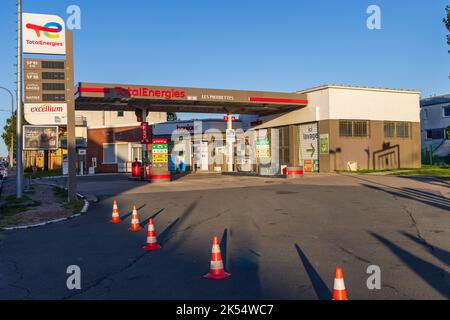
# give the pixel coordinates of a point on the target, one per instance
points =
(264, 142)
(159, 146)
(324, 143)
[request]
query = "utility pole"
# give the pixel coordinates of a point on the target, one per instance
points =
(71, 139)
(11, 149)
(19, 163)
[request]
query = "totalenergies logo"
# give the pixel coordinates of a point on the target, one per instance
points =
(50, 30)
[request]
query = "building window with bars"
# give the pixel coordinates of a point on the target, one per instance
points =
(354, 128)
(345, 128)
(397, 129)
(389, 129)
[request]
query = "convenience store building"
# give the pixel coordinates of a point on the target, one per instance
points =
(324, 129)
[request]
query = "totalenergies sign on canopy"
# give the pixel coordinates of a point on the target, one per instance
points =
(43, 34)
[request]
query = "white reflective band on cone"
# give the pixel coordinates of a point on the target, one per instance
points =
(339, 284)
(215, 249)
(151, 239)
(216, 265)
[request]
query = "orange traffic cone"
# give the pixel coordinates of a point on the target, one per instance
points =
(115, 213)
(339, 291)
(216, 271)
(152, 243)
(135, 226)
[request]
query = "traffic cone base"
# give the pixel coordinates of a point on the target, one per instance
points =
(152, 247)
(217, 276)
(135, 227)
(116, 220)
(216, 271)
(339, 291)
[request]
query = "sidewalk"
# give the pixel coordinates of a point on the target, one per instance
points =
(41, 204)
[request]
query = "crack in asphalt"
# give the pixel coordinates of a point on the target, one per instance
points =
(416, 227)
(385, 285)
(349, 252)
(109, 276)
(106, 277)
(15, 283)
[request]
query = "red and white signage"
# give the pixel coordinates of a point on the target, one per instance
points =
(43, 34)
(159, 141)
(46, 113)
(145, 133)
(225, 118)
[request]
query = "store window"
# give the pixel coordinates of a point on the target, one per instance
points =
(109, 153)
(284, 145)
(136, 152)
(120, 114)
(354, 128)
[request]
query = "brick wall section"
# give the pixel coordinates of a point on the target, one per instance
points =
(96, 139)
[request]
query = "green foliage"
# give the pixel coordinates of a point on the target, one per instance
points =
(9, 131)
(446, 21)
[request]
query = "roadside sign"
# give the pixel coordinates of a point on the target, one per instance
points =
(324, 143)
(65, 165)
(263, 148)
(82, 152)
(145, 133)
(43, 34)
(231, 135)
(46, 113)
(160, 150)
(45, 84)
(40, 138)
(309, 146)
(160, 158)
(159, 141)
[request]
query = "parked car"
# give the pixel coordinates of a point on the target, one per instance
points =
(3, 172)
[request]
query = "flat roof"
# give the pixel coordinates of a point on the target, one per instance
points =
(348, 87)
(435, 100)
(100, 96)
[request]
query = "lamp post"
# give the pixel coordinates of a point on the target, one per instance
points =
(11, 149)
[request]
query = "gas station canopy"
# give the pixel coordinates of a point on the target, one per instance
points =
(98, 96)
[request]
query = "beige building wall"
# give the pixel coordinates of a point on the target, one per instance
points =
(372, 152)
(329, 104)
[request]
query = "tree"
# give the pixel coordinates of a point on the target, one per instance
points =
(9, 131)
(446, 21)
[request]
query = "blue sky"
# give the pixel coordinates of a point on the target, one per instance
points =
(260, 45)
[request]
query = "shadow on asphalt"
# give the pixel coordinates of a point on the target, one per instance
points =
(428, 272)
(224, 247)
(417, 195)
(146, 221)
(438, 253)
(320, 287)
(125, 216)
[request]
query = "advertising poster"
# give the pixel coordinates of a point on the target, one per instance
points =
(309, 145)
(40, 137)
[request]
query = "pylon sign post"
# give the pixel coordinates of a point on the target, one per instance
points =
(48, 83)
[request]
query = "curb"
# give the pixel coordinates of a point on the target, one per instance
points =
(76, 215)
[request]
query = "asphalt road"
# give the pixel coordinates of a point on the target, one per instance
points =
(280, 240)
